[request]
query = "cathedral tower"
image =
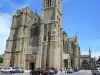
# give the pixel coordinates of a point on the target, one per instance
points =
(52, 11)
(50, 33)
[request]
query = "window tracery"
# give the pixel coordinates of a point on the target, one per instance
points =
(34, 30)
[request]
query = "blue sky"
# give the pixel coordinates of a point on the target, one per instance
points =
(82, 16)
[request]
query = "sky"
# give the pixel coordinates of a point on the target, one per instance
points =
(80, 17)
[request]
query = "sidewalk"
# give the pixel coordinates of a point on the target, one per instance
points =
(61, 72)
(27, 70)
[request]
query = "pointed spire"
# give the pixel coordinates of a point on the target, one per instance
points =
(36, 11)
(76, 38)
(89, 51)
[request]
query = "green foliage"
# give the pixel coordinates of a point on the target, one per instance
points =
(98, 60)
(1, 60)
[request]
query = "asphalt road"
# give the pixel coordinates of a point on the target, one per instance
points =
(82, 72)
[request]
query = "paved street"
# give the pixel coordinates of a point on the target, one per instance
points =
(82, 72)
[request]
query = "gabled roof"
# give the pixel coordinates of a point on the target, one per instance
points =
(71, 39)
(85, 56)
(24, 10)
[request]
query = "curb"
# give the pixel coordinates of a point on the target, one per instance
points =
(27, 70)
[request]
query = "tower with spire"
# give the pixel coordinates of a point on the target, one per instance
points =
(89, 52)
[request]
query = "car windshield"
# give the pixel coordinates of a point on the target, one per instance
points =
(13, 68)
(8, 68)
(16, 67)
(38, 69)
(5, 68)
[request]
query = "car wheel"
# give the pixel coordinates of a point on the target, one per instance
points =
(19, 72)
(31, 73)
(22, 72)
(11, 71)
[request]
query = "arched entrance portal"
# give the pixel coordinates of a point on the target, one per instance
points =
(32, 66)
(85, 65)
(30, 61)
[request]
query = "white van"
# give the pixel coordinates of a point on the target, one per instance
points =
(8, 70)
(98, 69)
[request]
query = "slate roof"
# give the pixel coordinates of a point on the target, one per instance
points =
(85, 56)
(72, 39)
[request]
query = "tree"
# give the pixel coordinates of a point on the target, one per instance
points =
(1, 60)
(98, 60)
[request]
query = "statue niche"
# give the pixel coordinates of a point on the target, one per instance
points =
(34, 30)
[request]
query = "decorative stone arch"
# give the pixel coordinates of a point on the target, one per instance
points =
(85, 64)
(82, 59)
(34, 29)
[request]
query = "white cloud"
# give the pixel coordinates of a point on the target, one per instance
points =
(84, 52)
(2, 44)
(5, 22)
(14, 5)
(2, 2)
(95, 54)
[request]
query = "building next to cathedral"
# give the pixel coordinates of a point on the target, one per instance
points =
(87, 62)
(39, 41)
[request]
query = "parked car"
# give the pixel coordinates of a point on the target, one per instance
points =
(76, 69)
(98, 69)
(70, 70)
(18, 70)
(95, 72)
(92, 70)
(8, 70)
(35, 71)
(44, 71)
(2, 69)
(52, 71)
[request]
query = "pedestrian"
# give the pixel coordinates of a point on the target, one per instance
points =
(65, 70)
(61, 69)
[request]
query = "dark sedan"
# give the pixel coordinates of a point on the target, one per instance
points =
(35, 71)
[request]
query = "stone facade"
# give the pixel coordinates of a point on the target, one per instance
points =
(40, 42)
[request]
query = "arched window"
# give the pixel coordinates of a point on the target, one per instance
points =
(34, 30)
(45, 32)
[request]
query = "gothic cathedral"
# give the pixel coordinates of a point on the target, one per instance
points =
(39, 41)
